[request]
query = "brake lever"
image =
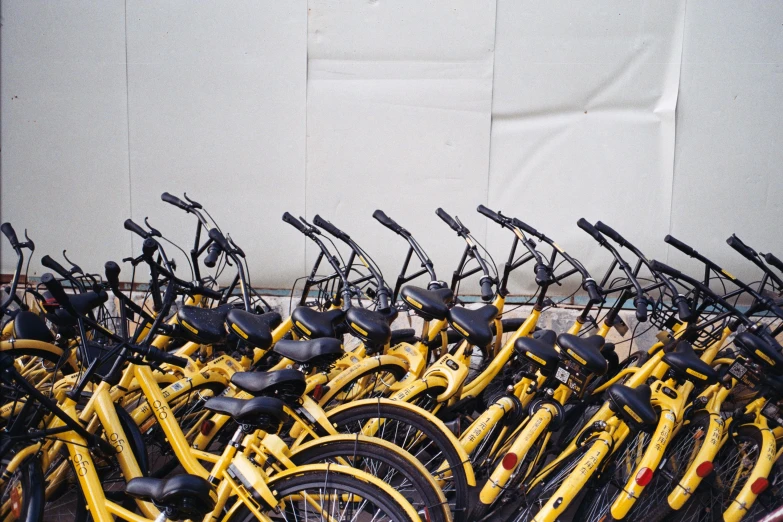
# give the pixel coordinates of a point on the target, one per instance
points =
(194, 204)
(238, 250)
(28, 243)
(75, 269)
(153, 231)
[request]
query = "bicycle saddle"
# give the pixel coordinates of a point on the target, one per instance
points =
(312, 324)
(474, 325)
(632, 404)
(256, 412)
(369, 326)
(315, 352)
(286, 384)
(182, 496)
(28, 325)
(760, 350)
(83, 303)
(687, 365)
(252, 328)
(585, 351)
(428, 304)
(540, 350)
(203, 325)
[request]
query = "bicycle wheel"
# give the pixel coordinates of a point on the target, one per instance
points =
(390, 464)
(22, 498)
(610, 482)
(653, 504)
(373, 382)
(332, 494)
(732, 467)
(427, 439)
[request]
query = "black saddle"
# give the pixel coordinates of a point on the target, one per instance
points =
(632, 404)
(252, 328)
(285, 384)
(312, 324)
(83, 303)
(686, 365)
(474, 325)
(259, 412)
(182, 496)
(585, 351)
(540, 350)
(428, 304)
(315, 352)
(369, 326)
(28, 325)
(760, 350)
(203, 325)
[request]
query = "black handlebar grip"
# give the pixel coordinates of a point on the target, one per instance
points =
(774, 261)
(112, 271)
(542, 274)
(641, 309)
(592, 291)
(657, 266)
(136, 229)
(611, 233)
(746, 252)
(219, 239)
(148, 248)
(51, 264)
(9, 232)
(683, 310)
(174, 200)
(448, 219)
(491, 214)
(388, 222)
(486, 289)
(679, 245)
(590, 229)
(213, 253)
(336, 232)
(56, 289)
(174, 360)
(525, 227)
(291, 220)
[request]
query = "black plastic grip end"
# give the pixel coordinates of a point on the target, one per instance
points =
(112, 271)
(683, 310)
(174, 200)
(744, 250)
(136, 229)
(291, 220)
(641, 309)
(148, 248)
(610, 233)
(333, 230)
(489, 213)
(774, 261)
(9, 232)
(679, 245)
(51, 264)
(213, 253)
(447, 219)
(592, 291)
(590, 229)
(486, 289)
(219, 239)
(56, 289)
(386, 221)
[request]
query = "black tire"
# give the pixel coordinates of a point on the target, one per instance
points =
(379, 379)
(653, 504)
(603, 491)
(25, 489)
(313, 482)
(393, 468)
(733, 464)
(414, 433)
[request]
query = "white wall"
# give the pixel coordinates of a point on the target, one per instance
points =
(654, 117)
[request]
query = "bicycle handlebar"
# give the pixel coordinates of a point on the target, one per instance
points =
(213, 253)
(174, 200)
(51, 264)
(219, 239)
(389, 223)
(450, 221)
(329, 227)
(9, 232)
(613, 235)
(491, 214)
(590, 229)
(291, 220)
(682, 247)
(136, 229)
(774, 261)
(744, 250)
(56, 289)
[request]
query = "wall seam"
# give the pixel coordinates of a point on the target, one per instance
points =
(127, 122)
(491, 116)
(307, 118)
(674, 151)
